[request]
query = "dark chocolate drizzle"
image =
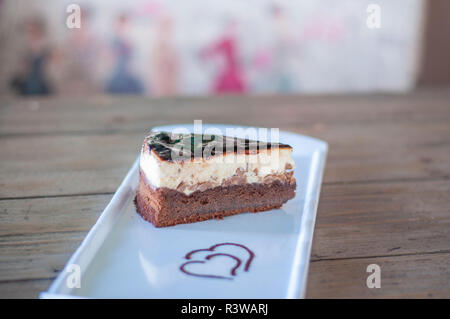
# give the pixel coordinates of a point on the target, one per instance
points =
(210, 256)
(173, 147)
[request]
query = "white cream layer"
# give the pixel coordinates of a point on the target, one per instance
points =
(214, 170)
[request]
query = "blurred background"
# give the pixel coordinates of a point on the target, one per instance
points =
(201, 47)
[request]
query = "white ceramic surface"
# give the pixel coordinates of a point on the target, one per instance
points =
(124, 256)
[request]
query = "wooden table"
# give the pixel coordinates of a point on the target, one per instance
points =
(385, 198)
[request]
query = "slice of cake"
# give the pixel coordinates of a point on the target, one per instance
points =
(186, 178)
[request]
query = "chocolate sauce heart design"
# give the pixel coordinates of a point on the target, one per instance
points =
(233, 270)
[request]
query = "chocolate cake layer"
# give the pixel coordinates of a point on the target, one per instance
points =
(167, 207)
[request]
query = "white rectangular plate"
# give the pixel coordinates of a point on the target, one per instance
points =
(124, 256)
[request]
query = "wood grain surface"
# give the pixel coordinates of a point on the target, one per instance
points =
(385, 198)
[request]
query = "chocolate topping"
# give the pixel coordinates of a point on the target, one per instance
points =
(179, 147)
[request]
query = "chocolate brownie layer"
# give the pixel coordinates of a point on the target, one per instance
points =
(167, 207)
